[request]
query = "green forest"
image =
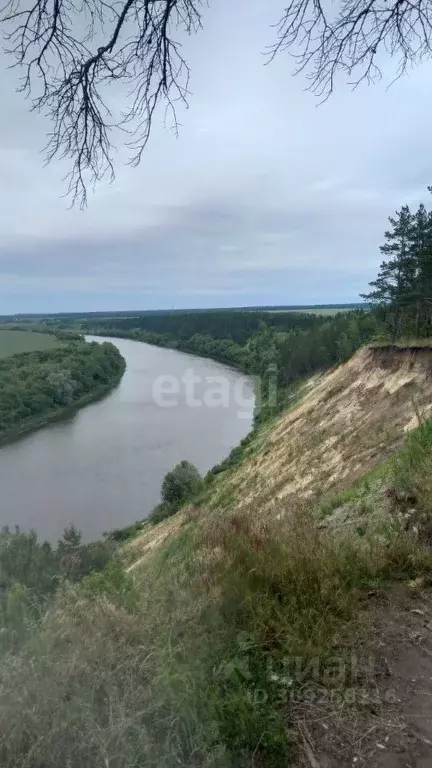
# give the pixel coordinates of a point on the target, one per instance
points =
(36, 386)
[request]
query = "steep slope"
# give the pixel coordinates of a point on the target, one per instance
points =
(347, 422)
(344, 423)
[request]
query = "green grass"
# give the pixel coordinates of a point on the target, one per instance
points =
(15, 342)
(324, 311)
(412, 468)
(193, 660)
(361, 493)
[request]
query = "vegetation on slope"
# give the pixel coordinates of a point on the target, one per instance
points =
(207, 653)
(36, 386)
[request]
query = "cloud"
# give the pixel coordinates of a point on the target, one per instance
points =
(265, 197)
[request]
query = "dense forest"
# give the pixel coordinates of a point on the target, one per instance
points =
(401, 294)
(35, 386)
(285, 345)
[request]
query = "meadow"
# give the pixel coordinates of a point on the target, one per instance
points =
(329, 310)
(14, 342)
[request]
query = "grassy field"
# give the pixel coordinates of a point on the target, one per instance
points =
(13, 342)
(330, 311)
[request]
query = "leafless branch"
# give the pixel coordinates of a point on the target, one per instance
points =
(71, 51)
(352, 40)
(67, 74)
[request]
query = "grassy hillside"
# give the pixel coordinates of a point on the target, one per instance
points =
(14, 342)
(255, 626)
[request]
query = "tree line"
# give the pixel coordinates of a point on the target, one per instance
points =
(37, 385)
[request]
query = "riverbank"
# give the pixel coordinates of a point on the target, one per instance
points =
(41, 387)
(60, 414)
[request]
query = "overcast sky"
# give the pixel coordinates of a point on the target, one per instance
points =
(264, 198)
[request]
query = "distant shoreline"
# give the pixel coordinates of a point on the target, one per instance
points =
(37, 422)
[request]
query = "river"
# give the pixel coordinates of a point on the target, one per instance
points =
(102, 467)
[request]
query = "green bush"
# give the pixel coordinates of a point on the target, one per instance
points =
(113, 582)
(161, 512)
(120, 535)
(180, 485)
(183, 484)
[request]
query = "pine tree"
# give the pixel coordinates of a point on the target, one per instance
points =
(394, 286)
(422, 252)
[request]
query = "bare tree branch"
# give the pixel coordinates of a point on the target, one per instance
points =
(352, 41)
(71, 51)
(67, 75)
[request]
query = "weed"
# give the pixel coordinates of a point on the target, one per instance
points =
(412, 468)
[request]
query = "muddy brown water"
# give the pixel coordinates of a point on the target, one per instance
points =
(102, 467)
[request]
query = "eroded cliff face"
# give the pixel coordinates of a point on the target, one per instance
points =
(346, 422)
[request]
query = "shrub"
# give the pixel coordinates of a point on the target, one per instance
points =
(161, 512)
(180, 485)
(120, 535)
(113, 583)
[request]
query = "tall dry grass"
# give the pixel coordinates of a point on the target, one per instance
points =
(180, 665)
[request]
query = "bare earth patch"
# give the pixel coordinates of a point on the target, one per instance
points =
(348, 422)
(385, 719)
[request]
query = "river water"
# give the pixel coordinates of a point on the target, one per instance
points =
(102, 467)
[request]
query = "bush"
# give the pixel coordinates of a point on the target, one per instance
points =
(120, 535)
(180, 485)
(113, 583)
(161, 512)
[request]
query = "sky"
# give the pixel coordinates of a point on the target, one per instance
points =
(265, 197)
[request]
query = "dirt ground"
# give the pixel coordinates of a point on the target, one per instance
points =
(385, 719)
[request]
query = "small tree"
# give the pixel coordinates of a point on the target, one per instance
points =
(181, 484)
